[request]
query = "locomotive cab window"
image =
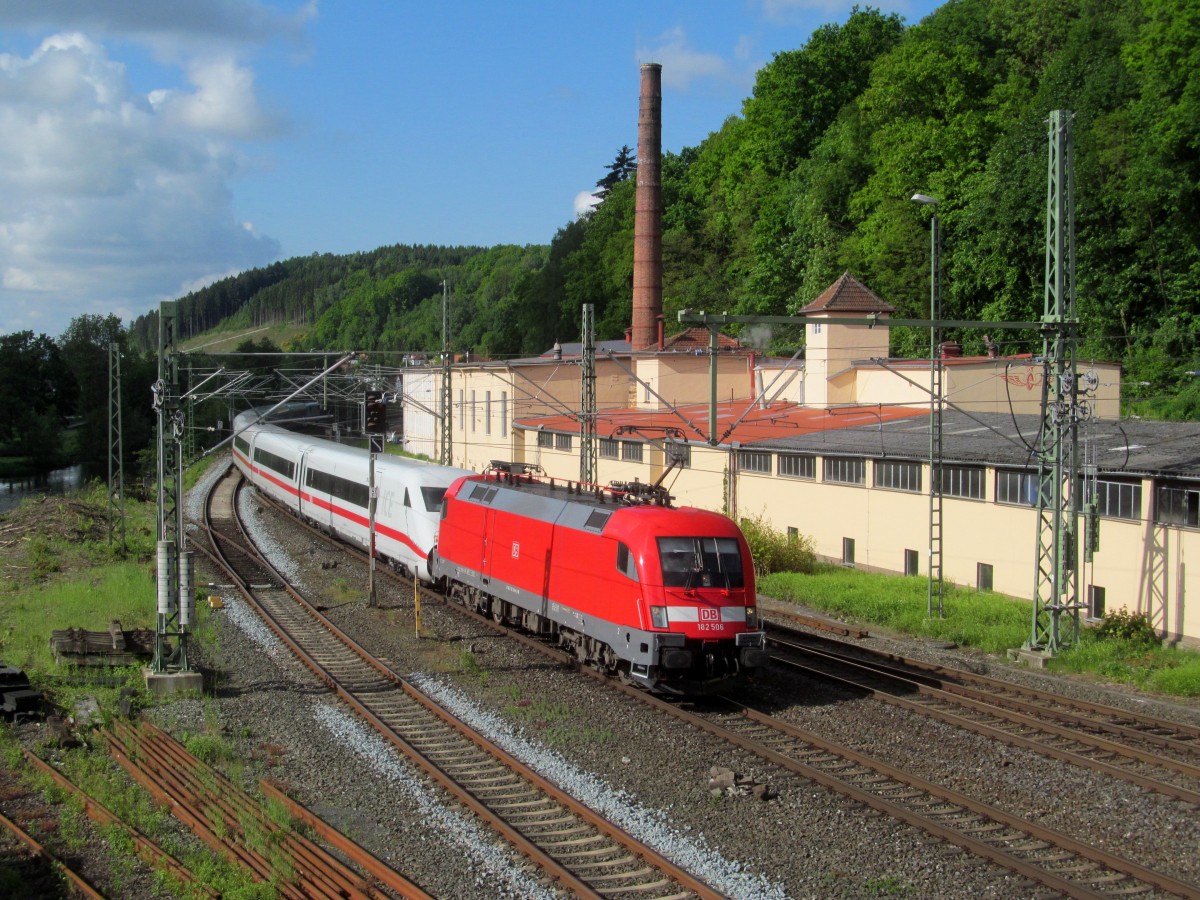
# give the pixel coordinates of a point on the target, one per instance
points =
(625, 562)
(692, 562)
(407, 502)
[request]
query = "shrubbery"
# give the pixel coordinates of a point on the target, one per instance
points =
(1123, 625)
(774, 551)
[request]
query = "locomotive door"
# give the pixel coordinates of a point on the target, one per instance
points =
(489, 532)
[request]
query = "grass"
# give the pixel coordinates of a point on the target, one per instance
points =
(1156, 669)
(989, 622)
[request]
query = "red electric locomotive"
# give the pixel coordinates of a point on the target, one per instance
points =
(663, 596)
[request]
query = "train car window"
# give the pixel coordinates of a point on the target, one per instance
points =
(242, 444)
(625, 563)
(342, 488)
(275, 463)
(692, 562)
(433, 497)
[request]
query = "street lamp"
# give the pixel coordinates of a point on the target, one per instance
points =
(935, 406)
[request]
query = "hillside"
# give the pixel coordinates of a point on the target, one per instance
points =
(813, 178)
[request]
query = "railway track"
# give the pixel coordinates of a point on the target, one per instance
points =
(1153, 754)
(577, 849)
(1052, 863)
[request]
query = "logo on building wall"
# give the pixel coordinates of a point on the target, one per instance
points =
(1029, 380)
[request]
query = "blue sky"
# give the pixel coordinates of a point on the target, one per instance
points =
(150, 147)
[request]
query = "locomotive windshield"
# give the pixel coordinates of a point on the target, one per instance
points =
(690, 562)
(433, 498)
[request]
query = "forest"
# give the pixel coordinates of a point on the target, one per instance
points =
(813, 178)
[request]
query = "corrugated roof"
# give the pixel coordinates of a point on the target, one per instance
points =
(759, 424)
(1129, 446)
(848, 294)
(1134, 447)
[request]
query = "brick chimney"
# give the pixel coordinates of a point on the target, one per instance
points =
(647, 227)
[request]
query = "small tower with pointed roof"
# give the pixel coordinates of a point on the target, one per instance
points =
(831, 348)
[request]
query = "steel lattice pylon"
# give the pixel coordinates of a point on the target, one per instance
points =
(587, 402)
(173, 565)
(446, 454)
(116, 454)
(1058, 499)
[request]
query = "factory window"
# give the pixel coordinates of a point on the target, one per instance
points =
(545, 439)
(275, 463)
(1095, 601)
(1018, 488)
(562, 442)
(912, 562)
(461, 410)
(847, 551)
(897, 475)
(680, 454)
(793, 534)
(962, 481)
(845, 470)
(631, 451)
(983, 576)
(487, 412)
(1178, 504)
(472, 411)
(610, 449)
(816, 328)
(1116, 499)
(754, 461)
(795, 465)
(504, 413)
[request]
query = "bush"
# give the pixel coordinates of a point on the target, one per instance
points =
(1133, 628)
(774, 551)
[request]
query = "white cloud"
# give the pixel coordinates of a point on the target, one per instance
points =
(223, 101)
(585, 202)
(683, 65)
(113, 199)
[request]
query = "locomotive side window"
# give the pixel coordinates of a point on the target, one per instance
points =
(625, 564)
(690, 562)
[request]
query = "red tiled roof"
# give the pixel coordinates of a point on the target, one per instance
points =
(848, 294)
(776, 421)
(696, 338)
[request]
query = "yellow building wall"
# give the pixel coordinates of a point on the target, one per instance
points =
(683, 379)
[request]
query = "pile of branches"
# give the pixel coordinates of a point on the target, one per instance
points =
(51, 517)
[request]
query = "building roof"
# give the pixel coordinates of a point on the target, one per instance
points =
(1128, 446)
(696, 338)
(848, 294)
(692, 422)
(1134, 447)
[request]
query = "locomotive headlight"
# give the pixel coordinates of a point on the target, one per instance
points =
(658, 616)
(751, 617)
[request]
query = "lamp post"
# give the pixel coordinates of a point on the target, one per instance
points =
(935, 407)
